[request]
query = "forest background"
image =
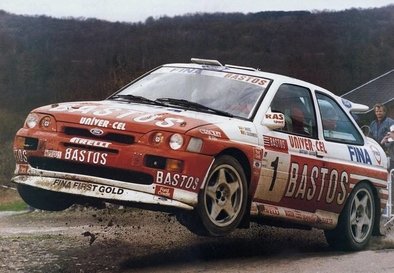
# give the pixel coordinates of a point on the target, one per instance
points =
(45, 60)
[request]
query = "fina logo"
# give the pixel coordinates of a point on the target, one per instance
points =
(96, 132)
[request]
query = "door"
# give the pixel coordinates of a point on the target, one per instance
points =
(288, 175)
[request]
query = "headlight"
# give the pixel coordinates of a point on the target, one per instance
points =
(32, 120)
(176, 141)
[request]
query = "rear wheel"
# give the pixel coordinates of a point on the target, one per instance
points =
(222, 202)
(355, 224)
(43, 199)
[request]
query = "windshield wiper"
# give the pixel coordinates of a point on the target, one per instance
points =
(193, 105)
(139, 99)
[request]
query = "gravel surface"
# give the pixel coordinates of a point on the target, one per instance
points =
(132, 240)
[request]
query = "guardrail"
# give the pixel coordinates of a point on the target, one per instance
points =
(389, 209)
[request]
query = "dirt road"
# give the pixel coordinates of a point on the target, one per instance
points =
(132, 240)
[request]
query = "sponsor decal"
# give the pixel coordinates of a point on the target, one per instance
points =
(295, 215)
(186, 70)
(103, 123)
(85, 156)
(275, 144)
(346, 103)
(166, 122)
(53, 154)
(303, 216)
(376, 154)
(84, 186)
(90, 142)
(306, 145)
(271, 210)
(20, 155)
(164, 191)
(315, 182)
(276, 118)
(246, 131)
(23, 169)
(211, 133)
(359, 154)
(142, 118)
(177, 180)
(249, 79)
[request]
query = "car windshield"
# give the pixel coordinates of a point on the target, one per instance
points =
(219, 92)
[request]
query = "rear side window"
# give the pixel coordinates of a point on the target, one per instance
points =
(337, 126)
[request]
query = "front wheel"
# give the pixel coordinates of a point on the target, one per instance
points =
(355, 224)
(222, 201)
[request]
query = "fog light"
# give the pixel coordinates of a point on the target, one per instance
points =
(174, 165)
(46, 122)
(157, 138)
(19, 142)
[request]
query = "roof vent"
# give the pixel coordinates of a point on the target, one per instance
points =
(206, 61)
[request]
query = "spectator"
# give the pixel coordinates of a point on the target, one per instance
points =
(388, 143)
(381, 125)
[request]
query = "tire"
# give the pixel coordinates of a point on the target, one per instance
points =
(222, 201)
(43, 199)
(356, 222)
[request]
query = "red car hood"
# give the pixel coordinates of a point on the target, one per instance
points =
(128, 116)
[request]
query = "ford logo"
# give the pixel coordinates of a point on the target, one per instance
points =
(96, 132)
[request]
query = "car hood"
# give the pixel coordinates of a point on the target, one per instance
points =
(130, 117)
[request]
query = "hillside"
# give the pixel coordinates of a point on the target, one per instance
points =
(45, 60)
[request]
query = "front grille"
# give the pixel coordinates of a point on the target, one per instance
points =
(115, 137)
(58, 165)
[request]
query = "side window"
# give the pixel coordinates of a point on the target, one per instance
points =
(337, 126)
(295, 103)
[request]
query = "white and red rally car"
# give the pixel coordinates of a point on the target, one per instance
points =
(221, 145)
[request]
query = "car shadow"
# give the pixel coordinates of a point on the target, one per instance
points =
(219, 249)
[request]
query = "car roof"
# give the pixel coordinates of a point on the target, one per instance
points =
(250, 71)
(215, 65)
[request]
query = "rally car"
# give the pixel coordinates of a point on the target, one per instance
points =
(220, 145)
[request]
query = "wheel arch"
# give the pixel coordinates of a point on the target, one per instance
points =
(241, 157)
(376, 227)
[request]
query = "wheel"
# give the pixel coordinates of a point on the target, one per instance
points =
(43, 199)
(222, 202)
(355, 224)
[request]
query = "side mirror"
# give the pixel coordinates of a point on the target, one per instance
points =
(274, 120)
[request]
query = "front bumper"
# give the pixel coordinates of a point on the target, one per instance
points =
(89, 186)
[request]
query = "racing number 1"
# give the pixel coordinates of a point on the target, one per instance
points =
(274, 164)
(274, 176)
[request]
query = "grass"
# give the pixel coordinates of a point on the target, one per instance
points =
(10, 200)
